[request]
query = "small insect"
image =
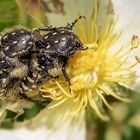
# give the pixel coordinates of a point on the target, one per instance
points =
(29, 58)
(134, 42)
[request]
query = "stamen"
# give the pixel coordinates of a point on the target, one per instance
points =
(104, 100)
(94, 106)
(63, 90)
(57, 104)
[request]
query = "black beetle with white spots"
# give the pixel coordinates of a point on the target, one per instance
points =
(28, 58)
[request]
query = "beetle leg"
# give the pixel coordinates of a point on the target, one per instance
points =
(66, 76)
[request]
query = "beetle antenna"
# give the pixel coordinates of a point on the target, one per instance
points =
(70, 25)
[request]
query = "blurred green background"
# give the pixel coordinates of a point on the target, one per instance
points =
(125, 118)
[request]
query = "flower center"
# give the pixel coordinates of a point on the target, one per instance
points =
(84, 81)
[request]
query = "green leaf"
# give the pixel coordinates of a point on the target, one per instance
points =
(10, 114)
(130, 133)
(30, 112)
(7, 124)
(91, 116)
(135, 105)
(8, 13)
(0, 103)
(135, 120)
(112, 134)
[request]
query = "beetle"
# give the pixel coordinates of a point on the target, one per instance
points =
(57, 46)
(16, 46)
(31, 57)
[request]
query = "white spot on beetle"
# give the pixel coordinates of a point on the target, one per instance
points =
(33, 86)
(30, 43)
(24, 42)
(6, 48)
(30, 80)
(42, 67)
(54, 33)
(56, 41)
(30, 90)
(23, 39)
(43, 58)
(34, 75)
(5, 37)
(24, 86)
(48, 46)
(13, 33)
(1, 72)
(62, 32)
(46, 37)
(63, 39)
(15, 42)
(4, 70)
(14, 54)
(4, 80)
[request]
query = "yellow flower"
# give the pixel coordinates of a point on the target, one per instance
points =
(93, 72)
